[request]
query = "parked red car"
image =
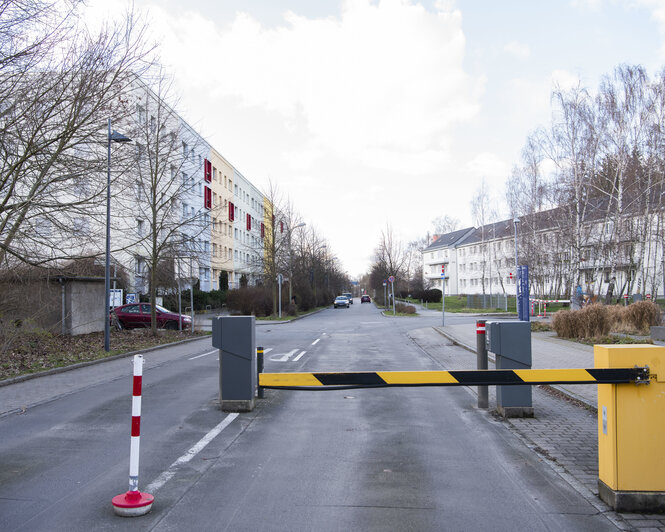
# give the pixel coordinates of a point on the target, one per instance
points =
(137, 315)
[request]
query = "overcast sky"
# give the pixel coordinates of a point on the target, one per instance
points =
(374, 113)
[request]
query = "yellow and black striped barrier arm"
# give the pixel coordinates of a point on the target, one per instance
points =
(499, 377)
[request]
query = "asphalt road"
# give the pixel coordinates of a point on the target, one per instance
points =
(375, 459)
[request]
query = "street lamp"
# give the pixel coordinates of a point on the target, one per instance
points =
(517, 305)
(112, 137)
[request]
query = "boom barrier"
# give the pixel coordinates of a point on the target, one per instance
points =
(499, 377)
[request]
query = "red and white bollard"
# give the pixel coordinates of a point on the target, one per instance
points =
(134, 503)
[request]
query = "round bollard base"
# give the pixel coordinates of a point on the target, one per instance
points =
(132, 504)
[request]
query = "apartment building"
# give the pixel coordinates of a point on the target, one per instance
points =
(221, 227)
(248, 231)
(205, 214)
(442, 253)
(599, 259)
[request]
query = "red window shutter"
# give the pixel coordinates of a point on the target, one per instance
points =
(249, 222)
(207, 197)
(231, 212)
(207, 170)
(263, 230)
(281, 227)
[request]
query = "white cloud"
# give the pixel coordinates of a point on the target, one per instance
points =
(488, 165)
(517, 49)
(564, 79)
(382, 80)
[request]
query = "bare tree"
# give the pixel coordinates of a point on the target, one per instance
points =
(164, 206)
(55, 93)
(480, 212)
(445, 224)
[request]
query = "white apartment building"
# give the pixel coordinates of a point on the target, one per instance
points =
(482, 260)
(442, 252)
(248, 231)
(204, 203)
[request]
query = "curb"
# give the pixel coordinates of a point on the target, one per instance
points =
(55, 371)
(266, 322)
(564, 391)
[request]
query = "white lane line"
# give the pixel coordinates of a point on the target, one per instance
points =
(168, 474)
(299, 356)
(316, 341)
(205, 354)
(267, 350)
(283, 357)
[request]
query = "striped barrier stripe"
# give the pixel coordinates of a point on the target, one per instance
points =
(454, 378)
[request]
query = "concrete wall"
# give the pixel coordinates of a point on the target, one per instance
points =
(39, 303)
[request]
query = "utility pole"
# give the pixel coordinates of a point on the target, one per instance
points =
(517, 304)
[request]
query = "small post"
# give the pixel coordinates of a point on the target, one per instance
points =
(481, 362)
(259, 370)
(443, 301)
(134, 503)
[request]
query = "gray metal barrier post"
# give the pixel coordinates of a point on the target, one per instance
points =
(235, 338)
(481, 362)
(510, 341)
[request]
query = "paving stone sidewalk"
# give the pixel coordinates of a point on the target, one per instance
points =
(563, 431)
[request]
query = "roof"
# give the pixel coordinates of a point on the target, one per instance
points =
(449, 239)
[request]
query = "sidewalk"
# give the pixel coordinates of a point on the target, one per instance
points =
(547, 352)
(562, 433)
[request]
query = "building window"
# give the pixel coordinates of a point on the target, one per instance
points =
(185, 150)
(140, 111)
(139, 227)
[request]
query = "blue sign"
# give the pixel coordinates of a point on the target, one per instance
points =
(130, 298)
(523, 293)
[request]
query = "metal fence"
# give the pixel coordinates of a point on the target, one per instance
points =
(490, 301)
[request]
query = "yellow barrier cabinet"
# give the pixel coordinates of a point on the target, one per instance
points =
(631, 431)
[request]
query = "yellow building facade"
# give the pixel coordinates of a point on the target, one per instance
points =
(221, 228)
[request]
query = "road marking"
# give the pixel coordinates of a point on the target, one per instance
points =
(299, 356)
(171, 471)
(217, 350)
(205, 354)
(316, 341)
(283, 357)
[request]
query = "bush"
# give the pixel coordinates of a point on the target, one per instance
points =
(642, 315)
(430, 296)
(591, 321)
(565, 324)
(403, 308)
(254, 300)
(598, 320)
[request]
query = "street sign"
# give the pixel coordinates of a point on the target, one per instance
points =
(115, 297)
(130, 298)
(391, 279)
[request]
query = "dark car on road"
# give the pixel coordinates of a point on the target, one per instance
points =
(135, 315)
(348, 296)
(365, 299)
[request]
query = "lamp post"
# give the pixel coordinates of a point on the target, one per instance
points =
(112, 137)
(517, 305)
